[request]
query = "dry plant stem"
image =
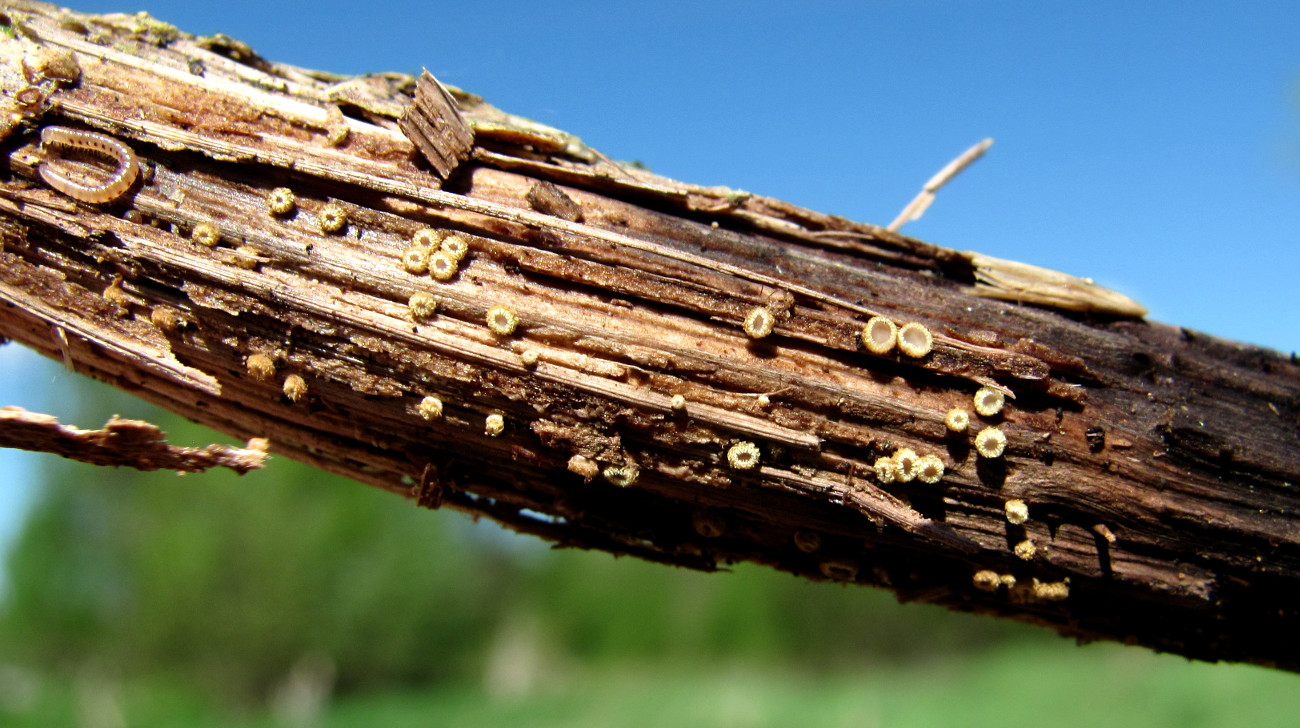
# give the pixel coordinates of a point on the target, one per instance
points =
(919, 204)
(132, 443)
(1158, 466)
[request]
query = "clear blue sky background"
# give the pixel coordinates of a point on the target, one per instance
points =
(1153, 146)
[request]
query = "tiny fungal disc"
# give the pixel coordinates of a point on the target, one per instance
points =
(415, 259)
(1025, 550)
(455, 247)
(427, 238)
(989, 401)
(744, 456)
(623, 477)
(957, 420)
(332, 218)
(987, 580)
(502, 320)
(529, 357)
(261, 366)
(886, 470)
(929, 469)
(295, 387)
(281, 201)
(430, 408)
(759, 322)
(879, 335)
(205, 233)
(1017, 512)
(907, 460)
(678, 402)
(494, 425)
(422, 305)
(441, 267)
(990, 443)
(915, 340)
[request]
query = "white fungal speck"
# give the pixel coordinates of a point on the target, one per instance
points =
(494, 425)
(678, 402)
(430, 408)
(1025, 550)
(744, 456)
(759, 322)
(990, 443)
(502, 320)
(929, 469)
(915, 340)
(529, 357)
(879, 335)
(957, 420)
(1017, 511)
(989, 401)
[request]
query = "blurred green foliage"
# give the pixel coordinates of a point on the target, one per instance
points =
(239, 591)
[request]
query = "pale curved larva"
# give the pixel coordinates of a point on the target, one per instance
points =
(128, 166)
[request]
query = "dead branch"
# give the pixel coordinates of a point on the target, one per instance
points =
(614, 360)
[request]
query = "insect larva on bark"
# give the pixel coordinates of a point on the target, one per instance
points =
(89, 143)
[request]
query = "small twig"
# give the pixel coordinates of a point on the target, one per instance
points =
(133, 443)
(918, 205)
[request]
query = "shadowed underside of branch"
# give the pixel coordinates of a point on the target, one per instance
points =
(596, 368)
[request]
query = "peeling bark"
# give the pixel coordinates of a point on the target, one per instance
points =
(1159, 466)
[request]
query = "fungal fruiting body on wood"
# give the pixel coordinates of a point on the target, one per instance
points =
(906, 460)
(929, 469)
(886, 470)
(455, 247)
(957, 420)
(915, 340)
(990, 442)
(502, 320)
(1017, 511)
(295, 388)
(430, 408)
(206, 234)
(442, 267)
(415, 259)
(281, 201)
(75, 142)
(989, 401)
(332, 218)
(759, 322)
(879, 335)
(624, 476)
(743, 456)
(422, 305)
(494, 425)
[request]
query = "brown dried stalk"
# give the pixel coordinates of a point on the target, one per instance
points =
(614, 360)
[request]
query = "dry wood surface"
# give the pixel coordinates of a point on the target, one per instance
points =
(591, 361)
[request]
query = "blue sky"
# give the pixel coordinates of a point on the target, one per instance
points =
(1154, 147)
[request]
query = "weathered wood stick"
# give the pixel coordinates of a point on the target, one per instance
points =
(614, 360)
